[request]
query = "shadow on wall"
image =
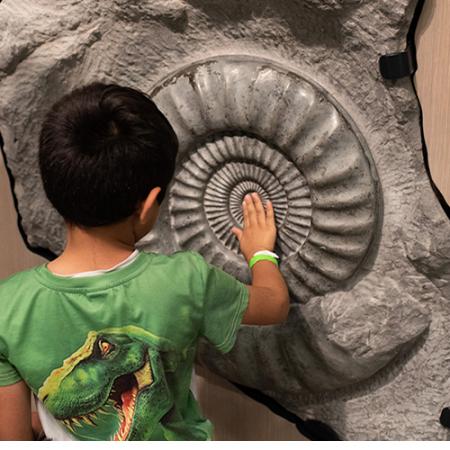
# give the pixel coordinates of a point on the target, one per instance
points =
(240, 418)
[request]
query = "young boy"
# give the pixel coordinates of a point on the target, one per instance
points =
(105, 335)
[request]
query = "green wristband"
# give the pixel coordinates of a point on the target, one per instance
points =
(254, 259)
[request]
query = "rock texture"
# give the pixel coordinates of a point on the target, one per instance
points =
(284, 98)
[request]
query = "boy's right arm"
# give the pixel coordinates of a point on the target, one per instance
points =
(269, 297)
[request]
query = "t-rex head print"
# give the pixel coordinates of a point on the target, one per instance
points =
(118, 372)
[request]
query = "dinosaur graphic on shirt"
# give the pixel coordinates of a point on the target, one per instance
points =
(114, 386)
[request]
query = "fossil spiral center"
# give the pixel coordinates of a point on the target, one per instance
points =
(234, 181)
(229, 168)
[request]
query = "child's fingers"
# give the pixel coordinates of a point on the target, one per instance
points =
(237, 232)
(259, 209)
(250, 210)
(245, 214)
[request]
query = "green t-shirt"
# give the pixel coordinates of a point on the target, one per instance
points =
(111, 356)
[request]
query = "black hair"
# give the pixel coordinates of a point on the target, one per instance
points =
(102, 149)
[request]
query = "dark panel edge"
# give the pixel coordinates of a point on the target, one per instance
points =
(41, 251)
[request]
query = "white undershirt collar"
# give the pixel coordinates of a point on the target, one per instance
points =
(127, 261)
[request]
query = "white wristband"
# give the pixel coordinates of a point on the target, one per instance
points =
(266, 252)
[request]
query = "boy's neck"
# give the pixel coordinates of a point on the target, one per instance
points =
(94, 248)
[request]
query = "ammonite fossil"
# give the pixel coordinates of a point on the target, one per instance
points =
(247, 124)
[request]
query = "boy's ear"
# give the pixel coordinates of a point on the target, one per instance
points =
(148, 203)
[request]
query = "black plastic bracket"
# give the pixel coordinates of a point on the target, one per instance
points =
(398, 65)
(445, 418)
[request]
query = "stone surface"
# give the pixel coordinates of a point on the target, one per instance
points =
(284, 98)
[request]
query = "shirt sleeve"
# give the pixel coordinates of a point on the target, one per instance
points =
(8, 373)
(224, 304)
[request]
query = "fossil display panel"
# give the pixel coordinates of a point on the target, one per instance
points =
(285, 99)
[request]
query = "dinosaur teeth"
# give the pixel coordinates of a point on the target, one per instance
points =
(89, 420)
(102, 410)
(144, 376)
(118, 436)
(86, 419)
(77, 422)
(68, 423)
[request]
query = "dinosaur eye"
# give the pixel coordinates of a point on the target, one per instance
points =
(105, 347)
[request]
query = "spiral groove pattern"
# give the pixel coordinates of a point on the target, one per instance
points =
(242, 166)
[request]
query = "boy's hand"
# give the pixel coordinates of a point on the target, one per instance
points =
(259, 232)
(268, 301)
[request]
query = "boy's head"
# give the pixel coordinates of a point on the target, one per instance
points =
(103, 149)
